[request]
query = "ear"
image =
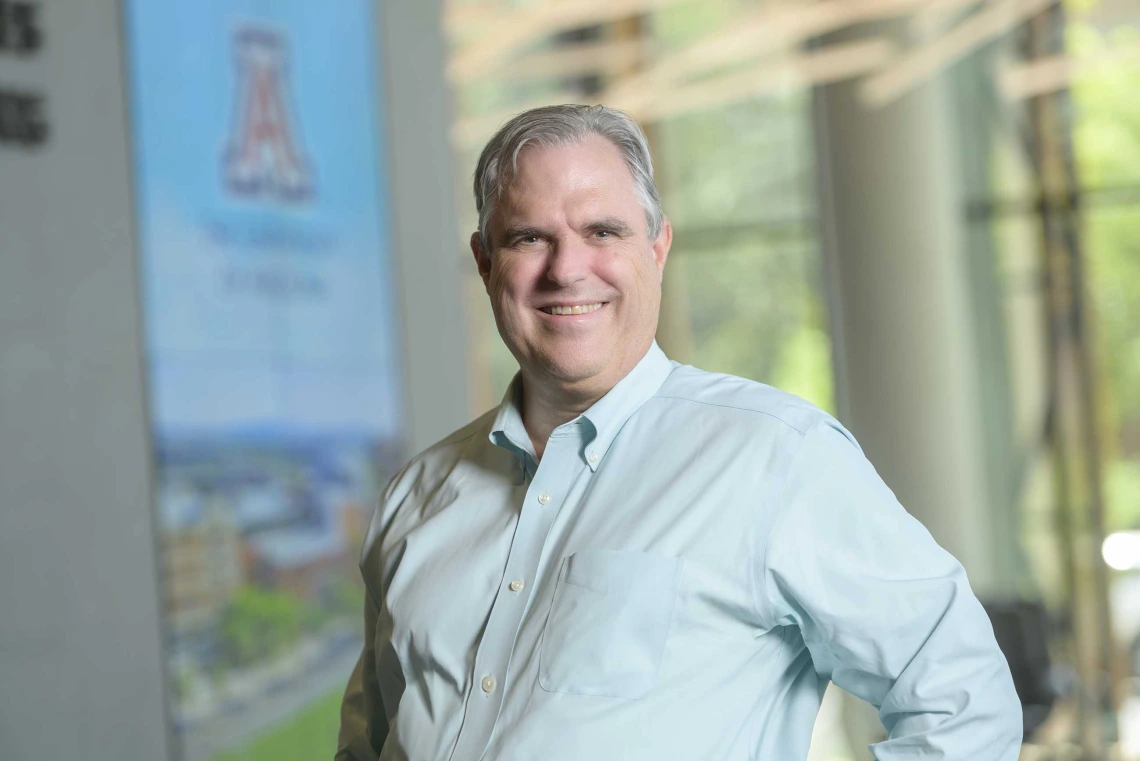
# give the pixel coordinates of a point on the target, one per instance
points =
(662, 245)
(482, 259)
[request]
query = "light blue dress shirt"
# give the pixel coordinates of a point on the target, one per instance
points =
(678, 577)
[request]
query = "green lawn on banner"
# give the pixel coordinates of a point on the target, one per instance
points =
(310, 734)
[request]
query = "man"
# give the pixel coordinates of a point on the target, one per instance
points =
(633, 559)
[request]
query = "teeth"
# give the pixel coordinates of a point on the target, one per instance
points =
(576, 309)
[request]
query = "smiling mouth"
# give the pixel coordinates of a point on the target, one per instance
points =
(574, 309)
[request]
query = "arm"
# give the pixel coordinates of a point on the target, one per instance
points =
(363, 718)
(363, 723)
(886, 613)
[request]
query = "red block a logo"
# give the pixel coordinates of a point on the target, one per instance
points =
(263, 157)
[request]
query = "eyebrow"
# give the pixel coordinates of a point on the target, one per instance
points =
(610, 223)
(523, 230)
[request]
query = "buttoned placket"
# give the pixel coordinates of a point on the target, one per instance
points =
(544, 497)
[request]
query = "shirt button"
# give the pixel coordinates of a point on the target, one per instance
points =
(517, 585)
(488, 684)
(592, 457)
(543, 498)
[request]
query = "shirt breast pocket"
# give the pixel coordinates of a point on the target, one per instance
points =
(608, 623)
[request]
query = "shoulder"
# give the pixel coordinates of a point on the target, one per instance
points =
(412, 487)
(739, 401)
(425, 472)
(436, 461)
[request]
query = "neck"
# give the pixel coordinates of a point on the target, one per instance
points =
(545, 407)
(548, 403)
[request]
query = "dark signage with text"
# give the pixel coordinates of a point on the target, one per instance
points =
(19, 27)
(23, 122)
(22, 118)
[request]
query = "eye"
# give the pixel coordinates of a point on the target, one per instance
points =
(604, 234)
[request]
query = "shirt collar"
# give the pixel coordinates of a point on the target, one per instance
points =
(606, 416)
(508, 430)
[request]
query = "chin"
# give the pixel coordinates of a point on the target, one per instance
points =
(573, 369)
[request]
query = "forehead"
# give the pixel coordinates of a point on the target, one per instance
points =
(592, 169)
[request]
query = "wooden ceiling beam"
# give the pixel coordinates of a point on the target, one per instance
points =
(566, 62)
(1055, 73)
(496, 39)
(832, 64)
(912, 68)
(758, 35)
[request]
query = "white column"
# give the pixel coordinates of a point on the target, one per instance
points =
(418, 121)
(907, 363)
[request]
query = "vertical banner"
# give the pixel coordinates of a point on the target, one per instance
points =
(271, 352)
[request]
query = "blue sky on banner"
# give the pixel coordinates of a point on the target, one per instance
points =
(260, 183)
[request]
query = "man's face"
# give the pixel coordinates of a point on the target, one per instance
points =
(569, 235)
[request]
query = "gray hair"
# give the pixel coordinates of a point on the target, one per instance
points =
(564, 125)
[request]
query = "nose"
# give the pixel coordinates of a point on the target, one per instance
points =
(568, 262)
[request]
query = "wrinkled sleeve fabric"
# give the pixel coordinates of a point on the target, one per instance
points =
(886, 613)
(363, 719)
(363, 725)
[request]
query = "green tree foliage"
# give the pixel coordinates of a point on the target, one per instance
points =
(258, 624)
(737, 183)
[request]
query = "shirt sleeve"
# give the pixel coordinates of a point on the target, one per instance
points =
(363, 718)
(363, 723)
(886, 613)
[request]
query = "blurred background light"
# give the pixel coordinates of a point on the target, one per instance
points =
(1121, 550)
